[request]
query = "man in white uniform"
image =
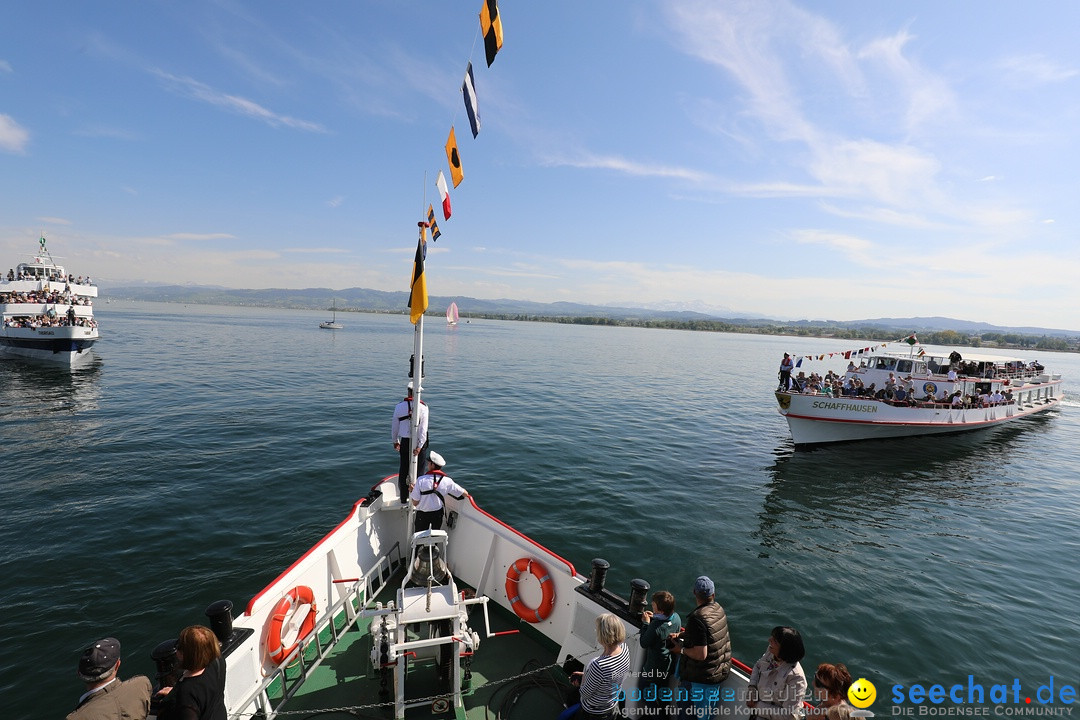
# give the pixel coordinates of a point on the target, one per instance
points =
(429, 492)
(400, 433)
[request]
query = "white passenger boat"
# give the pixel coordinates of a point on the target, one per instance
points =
(47, 314)
(938, 393)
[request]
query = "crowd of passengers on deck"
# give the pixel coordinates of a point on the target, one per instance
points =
(49, 275)
(896, 391)
(55, 320)
(52, 297)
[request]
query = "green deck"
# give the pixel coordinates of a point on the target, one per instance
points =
(513, 676)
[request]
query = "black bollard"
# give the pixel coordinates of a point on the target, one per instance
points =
(639, 591)
(599, 575)
(220, 614)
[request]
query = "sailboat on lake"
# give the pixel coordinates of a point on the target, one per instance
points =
(332, 323)
(452, 314)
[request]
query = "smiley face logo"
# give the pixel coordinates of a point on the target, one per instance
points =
(862, 693)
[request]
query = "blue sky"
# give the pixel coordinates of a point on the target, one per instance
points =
(833, 160)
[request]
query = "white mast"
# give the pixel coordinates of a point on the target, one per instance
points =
(414, 421)
(417, 369)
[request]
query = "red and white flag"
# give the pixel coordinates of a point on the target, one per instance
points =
(444, 193)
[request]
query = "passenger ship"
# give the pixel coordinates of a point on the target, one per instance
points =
(47, 314)
(941, 393)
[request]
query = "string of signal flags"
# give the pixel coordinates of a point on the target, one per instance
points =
(848, 354)
(491, 28)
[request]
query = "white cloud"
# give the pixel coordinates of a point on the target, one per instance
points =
(1024, 70)
(925, 95)
(200, 236)
(857, 250)
(13, 137)
(233, 103)
(629, 167)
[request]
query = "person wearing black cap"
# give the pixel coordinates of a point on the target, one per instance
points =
(400, 433)
(106, 696)
(429, 492)
(705, 647)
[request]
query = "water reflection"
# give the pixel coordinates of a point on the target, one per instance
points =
(29, 390)
(869, 488)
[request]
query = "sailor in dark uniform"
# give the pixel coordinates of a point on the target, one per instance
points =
(429, 493)
(400, 432)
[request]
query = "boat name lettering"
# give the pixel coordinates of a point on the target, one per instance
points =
(826, 405)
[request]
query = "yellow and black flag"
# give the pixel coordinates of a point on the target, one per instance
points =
(418, 301)
(491, 26)
(431, 223)
(452, 157)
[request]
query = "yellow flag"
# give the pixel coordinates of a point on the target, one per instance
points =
(452, 157)
(418, 300)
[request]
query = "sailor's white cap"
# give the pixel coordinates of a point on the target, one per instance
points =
(436, 459)
(411, 386)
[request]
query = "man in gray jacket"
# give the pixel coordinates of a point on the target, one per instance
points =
(106, 696)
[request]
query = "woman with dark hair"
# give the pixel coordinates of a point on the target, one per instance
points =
(200, 692)
(831, 683)
(778, 684)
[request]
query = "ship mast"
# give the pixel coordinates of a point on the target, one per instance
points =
(416, 369)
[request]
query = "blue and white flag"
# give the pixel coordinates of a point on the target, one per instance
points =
(468, 89)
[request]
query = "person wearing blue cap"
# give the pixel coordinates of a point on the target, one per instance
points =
(107, 697)
(704, 650)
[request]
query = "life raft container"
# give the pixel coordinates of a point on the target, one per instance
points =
(283, 622)
(547, 586)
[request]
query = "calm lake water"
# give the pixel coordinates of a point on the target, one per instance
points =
(206, 448)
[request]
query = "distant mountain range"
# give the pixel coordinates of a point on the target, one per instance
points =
(362, 299)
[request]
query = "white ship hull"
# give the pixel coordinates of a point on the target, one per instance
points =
(61, 346)
(816, 419)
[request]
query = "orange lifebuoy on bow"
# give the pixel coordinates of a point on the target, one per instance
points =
(286, 610)
(547, 586)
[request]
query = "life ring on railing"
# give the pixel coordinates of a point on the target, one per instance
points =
(282, 622)
(547, 586)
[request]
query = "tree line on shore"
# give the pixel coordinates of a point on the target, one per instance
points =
(927, 337)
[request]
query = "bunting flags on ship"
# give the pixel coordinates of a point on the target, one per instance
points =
(431, 221)
(849, 354)
(444, 193)
(468, 90)
(418, 300)
(452, 157)
(491, 26)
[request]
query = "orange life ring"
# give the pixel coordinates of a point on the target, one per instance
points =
(547, 586)
(286, 608)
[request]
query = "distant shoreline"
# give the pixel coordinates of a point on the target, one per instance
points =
(804, 329)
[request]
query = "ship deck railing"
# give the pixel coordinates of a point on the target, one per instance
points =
(284, 681)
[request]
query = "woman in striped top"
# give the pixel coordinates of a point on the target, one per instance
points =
(603, 675)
